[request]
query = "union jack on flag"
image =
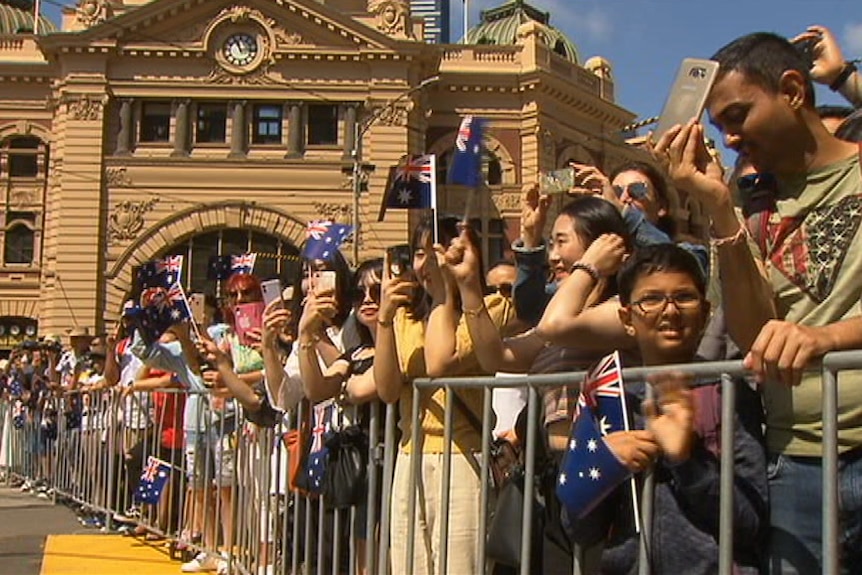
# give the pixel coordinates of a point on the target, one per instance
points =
(317, 229)
(172, 264)
(412, 184)
(464, 133)
(415, 168)
(604, 386)
(324, 239)
(243, 264)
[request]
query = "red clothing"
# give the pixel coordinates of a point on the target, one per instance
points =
(169, 407)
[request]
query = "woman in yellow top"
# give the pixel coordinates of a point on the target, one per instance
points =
(411, 306)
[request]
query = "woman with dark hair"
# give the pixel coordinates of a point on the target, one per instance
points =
(413, 305)
(325, 313)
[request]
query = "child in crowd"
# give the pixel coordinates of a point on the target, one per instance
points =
(663, 307)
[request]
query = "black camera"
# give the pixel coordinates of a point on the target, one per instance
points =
(30, 345)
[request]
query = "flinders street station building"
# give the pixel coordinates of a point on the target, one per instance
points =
(136, 129)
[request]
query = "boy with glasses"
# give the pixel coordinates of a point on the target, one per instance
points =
(662, 294)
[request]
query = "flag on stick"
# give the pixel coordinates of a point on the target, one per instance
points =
(412, 184)
(323, 239)
(153, 480)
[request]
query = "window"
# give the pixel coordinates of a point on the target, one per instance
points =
(322, 125)
(495, 172)
(492, 236)
(155, 122)
(24, 157)
(211, 124)
(266, 127)
(19, 244)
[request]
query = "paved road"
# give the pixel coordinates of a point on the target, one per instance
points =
(25, 521)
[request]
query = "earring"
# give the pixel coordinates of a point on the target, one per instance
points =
(630, 330)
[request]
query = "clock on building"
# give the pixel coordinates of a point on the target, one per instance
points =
(240, 49)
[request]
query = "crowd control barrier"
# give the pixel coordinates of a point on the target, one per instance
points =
(228, 492)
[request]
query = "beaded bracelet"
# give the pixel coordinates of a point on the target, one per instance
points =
(740, 234)
(590, 269)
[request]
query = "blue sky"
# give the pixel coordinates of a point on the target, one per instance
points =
(646, 39)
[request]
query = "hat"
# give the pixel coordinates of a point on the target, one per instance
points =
(53, 337)
(79, 332)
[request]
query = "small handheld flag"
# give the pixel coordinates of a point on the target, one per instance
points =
(323, 239)
(160, 309)
(412, 184)
(153, 480)
(222, 267)
(466, 167)
(160, 272)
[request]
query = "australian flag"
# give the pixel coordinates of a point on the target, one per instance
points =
(318, 453)
(153, 480)
(413, 183)
(604, 383)
(161, 308)
(222, 267)
(466, 167)
(323, 239)
(160, 272)
(590, 471)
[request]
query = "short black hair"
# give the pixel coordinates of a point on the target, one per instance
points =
(850, 130)
(593, 216)
(763, 57)
(658, 258)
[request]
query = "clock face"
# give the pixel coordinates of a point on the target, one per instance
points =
(240, 49)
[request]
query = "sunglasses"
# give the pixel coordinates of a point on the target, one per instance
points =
(372, 292)
(756, 183)
(504, 289)
(243, 292)
(635, 190)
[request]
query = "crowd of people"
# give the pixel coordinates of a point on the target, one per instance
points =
(775, 284)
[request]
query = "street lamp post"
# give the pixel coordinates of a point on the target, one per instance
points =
(360, 128)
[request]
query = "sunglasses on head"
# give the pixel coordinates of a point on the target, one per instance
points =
(635, 190)
(372, 291)
(756, 183)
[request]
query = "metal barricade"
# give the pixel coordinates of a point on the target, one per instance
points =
(228, 494)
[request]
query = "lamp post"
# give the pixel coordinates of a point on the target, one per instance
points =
(360, 129)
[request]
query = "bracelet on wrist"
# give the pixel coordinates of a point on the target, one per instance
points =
(474, 313)
(736, 238)
(590, 270)
(842, 77)
(384, 323)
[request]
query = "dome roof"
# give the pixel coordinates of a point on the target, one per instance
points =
(499, 26)
(16, 17)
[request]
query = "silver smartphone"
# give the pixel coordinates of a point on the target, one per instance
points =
(688, 95)
(271, 290)
(325, 281)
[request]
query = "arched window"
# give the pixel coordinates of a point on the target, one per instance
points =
(276, 256)
(560, 48)
(19, 244)
(494, 174)
(22, 154)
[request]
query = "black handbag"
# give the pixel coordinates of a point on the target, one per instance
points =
(347, 467)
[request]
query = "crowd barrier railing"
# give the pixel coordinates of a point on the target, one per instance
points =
(228, 494)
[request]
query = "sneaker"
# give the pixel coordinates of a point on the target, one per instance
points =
(202, 562)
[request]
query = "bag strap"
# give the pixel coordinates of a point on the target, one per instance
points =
(466, 412)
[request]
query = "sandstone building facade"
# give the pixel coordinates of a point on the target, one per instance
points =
(140, 128)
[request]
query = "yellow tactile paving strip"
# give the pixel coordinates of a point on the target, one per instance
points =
(105, 555)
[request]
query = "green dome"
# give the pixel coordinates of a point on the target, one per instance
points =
(499, 26)
(16, 17)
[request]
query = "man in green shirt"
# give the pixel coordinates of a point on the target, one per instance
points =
(790, 277)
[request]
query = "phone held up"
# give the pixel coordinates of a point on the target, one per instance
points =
(325, 281)
(557, 181)
(400, 259)
(271, 290)
(197, 305)
(688, 95)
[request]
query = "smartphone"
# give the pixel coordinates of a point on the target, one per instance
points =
(557, 181)
(287, 294)
(247, 316)
(271, 290)
(688, 95)
(400, 259)
(197, 304)
(805, 47)
(325, 281)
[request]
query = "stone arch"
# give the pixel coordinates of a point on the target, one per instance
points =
(445, 144)
(25, 128)
(192, 221)
(572, 151)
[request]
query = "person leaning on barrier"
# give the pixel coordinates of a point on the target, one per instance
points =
(789, 298)
(663, 307)
(419, 302)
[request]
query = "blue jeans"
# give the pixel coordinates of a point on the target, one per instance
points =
(796, 508)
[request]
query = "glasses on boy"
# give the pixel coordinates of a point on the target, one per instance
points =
(655, 303)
